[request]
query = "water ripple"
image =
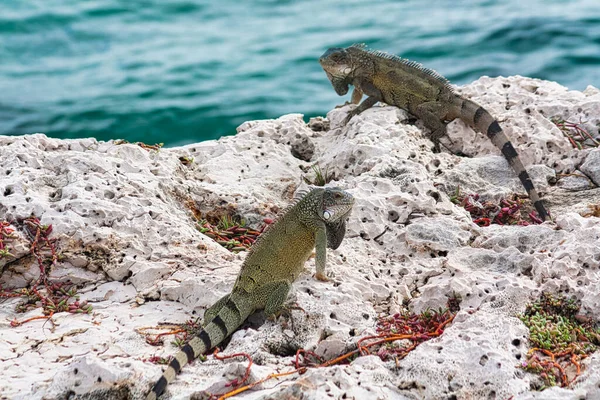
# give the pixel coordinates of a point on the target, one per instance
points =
(189, 70)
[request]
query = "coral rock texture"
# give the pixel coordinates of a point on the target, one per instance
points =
(122, 216)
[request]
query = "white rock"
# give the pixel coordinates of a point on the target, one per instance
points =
(591, 166)
(437, 234)
(122, 218)
(574, 182)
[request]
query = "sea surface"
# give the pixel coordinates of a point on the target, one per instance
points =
(184, 71)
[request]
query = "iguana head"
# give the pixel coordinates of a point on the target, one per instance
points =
(337, 205)
(337, 64)
(330, 206)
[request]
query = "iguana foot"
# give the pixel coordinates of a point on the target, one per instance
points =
(343, 105)
(322, 277)
(285, 311)
(348, 118)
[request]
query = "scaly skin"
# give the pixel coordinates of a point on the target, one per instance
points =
(420, 91)
(316, 221)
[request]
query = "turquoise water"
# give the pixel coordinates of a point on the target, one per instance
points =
(185, 71)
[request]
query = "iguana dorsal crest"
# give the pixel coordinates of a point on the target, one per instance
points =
(409, 63)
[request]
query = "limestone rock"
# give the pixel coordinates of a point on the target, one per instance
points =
(574, 183)
(123, 220)
(591, 166)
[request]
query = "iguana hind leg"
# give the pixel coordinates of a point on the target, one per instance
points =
(433, 114)
(275, 293)
(276, 303)
(212, 312)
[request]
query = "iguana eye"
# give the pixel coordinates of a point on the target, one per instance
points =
(326, 215)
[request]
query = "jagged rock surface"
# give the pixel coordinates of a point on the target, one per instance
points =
(123, 222)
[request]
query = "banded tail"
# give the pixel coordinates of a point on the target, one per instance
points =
(228, 318)
(480, 119)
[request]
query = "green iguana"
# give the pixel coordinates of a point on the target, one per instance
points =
(420, 91)
(316, 221)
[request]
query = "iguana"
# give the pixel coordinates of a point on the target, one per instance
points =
(420, 91)
(316, 221)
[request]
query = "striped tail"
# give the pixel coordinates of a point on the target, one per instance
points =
(227, 320)
(481, 120)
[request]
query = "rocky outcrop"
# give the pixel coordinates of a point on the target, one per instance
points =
(122, 219)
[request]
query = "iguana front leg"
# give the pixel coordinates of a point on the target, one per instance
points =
(321, 254)
(366, 104)
(366, 87)
(357, 95)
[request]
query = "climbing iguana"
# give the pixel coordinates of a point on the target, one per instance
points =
(316, 221)
(420, 91)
